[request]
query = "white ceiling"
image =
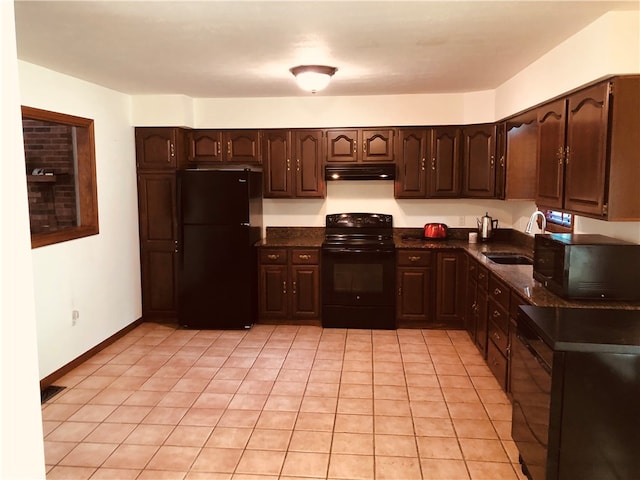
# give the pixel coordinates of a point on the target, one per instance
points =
(245, 48)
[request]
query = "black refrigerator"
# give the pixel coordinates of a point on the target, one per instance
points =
(220, 222)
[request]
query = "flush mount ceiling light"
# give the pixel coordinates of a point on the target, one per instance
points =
(313, 78)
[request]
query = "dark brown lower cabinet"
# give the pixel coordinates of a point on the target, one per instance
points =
(289, 285)
(481, 310)
(414, 288)
(450, 289)
(158, 241)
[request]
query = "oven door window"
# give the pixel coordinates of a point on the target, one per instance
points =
(358, 278)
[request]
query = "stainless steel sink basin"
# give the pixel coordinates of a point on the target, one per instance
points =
(509, 258)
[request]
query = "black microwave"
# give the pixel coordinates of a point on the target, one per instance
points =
(587, 267)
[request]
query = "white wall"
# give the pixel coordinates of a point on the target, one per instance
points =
(22, 454)
(99, 275)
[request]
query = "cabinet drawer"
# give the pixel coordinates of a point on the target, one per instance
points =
(414, 258)
(499, 337)
(483, 277)
(497, 364)
(498, 315)
(305, 257)
(271, 256)
(499, 292)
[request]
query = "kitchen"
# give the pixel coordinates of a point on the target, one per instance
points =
(572, 64)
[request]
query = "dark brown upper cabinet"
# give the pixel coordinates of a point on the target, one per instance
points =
(517, 157)
(160, 148)
(225, 146)
(353, 145)
(443, 177)
(293, 163)
(478, 161)
(413, 149)
(551, 151)
(588, 156)
(206, 146)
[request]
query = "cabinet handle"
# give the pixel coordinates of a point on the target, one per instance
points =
(293, 288)
(288, 165)
(496, 335)
(481, 276)
(560, 155)
(364, 147)
(433, 163)
(414, 259)
(566, 155)
(219, 148)
(304, 256)
(298, 164)
(496, 314)
(355, 148)
(502, 160)
(170, 151)
(273, 256)
(399, 291)
(497, 291)
(284, 287)
(229, 149)
(423, 162)
(492, 161)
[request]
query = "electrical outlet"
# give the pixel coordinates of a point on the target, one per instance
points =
(75, 315)
(461, 221)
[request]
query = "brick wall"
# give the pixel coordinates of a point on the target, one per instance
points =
(52, 199)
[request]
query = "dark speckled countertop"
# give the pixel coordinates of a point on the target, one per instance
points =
(518, 277)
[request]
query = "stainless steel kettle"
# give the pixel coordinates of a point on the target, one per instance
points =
(486, 226)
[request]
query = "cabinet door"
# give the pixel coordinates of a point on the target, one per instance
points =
(412, 150)
(551, 143)
(449, 290)
(478, 160)
(481, 321)
(444, 168)
(159, 289)
(501, 160)
(157, 209)
(158, 230)
(342, 145)
(157, 148)
(206, 146)
(308, 151)
(242, 146)
(274, 289)
(471, 313)
(414, 294)
(305, 289)
(377, 145)
(277, 164)
(586, 155)
(521, 157)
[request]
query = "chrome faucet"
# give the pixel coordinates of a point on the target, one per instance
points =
(532, 218)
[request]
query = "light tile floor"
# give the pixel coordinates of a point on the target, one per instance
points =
(281, 402)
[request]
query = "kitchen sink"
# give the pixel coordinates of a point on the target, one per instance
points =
(509, 258)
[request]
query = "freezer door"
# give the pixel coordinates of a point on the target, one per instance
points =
(215, 197)
(217, 273)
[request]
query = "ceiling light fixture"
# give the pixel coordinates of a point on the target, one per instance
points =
(313, 78)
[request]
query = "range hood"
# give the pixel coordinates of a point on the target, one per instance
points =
(360, 171)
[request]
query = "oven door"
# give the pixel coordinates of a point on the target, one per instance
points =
(358, 288)
(354, 276)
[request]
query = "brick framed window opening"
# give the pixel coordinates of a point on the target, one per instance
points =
(61, 176)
